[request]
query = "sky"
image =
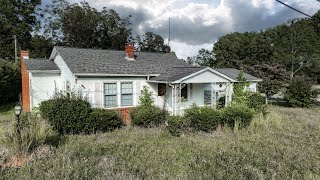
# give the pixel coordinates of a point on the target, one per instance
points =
(197, 24)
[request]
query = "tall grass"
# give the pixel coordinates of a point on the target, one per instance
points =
(34, 131)
(282, 145)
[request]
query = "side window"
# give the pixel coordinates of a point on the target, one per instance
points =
(110, 94)
(161, 89)
(184, 92)
(126, 94)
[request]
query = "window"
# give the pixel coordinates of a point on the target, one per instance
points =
(110, 93)
(184, 92)
(161, 89)
(126, 94)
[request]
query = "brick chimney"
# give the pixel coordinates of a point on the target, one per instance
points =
(24, 55)
(129, 51)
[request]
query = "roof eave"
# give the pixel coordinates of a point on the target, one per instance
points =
(122, 75)
(44, 71)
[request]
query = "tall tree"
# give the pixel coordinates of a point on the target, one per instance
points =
(16, 18)
(154, 43)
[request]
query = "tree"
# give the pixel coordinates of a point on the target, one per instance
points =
(300, 93)
(154, 43)
(40, 47)
(206, 58)
(16, 18)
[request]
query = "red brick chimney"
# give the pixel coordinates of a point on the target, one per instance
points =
(25, 82)
(130, 51)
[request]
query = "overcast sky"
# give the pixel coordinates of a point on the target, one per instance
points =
(197, 24)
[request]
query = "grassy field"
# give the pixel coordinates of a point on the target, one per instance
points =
(283, 145)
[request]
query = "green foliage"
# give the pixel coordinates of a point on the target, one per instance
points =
(256, 101)
(34, 131)
(237, 114)
(16, 18)
(10, 82)
(176, 124)
(203, 118)
(274, 55)
(152, 43)
(240, 94)
(102, 120)
(300, 93)
(147, 116)
(145, 98)
(67, 113)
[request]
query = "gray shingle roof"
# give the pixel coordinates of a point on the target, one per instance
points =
(234, 73)
(176, 73)
(114, 62)
(40, 65)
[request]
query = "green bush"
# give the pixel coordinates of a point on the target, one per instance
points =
(147, 116)
(176, 124)
(300, 93)
(10, 82)
(203, 118)
(237, 113)
(256, 101)
(66, 113)
(102, 120)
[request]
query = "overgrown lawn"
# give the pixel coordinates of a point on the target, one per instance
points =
(283, 145)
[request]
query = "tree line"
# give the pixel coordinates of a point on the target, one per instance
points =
(61, 23)
(276, 55)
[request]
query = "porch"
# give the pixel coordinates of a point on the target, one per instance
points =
(183, 87)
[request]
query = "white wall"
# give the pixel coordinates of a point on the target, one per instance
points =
(94, 89)
(66, 74)
(42, 87)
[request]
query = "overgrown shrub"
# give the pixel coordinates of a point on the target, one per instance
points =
(66, 113)
(148, 116)
(203, 118)
(176, 125)
(237, 114)
(102, 120)
(256, 101)
(10, 82)
(34, 131)
(300, 93)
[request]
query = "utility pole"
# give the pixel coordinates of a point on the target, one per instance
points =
(15, 49)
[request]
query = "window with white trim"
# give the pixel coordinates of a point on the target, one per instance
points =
(126, 94)
(110, 94)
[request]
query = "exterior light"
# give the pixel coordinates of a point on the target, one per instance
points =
(17, 110)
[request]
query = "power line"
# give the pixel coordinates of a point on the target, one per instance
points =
(294, 8)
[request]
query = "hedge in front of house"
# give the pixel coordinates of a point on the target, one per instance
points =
(237, 113)
(203, 118)
(147, 116)
(176, 125)
(102, 120)
(67, 113)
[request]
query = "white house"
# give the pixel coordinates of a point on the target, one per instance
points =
(113, 79)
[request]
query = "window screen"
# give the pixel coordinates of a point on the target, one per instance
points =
(126, 94)
(184, 92)
(110, 93)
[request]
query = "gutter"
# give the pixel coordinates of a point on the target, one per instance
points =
(44, 71)
(121, 75)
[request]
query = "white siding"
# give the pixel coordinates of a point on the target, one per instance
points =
(42, 87)
(66, 74)
(205, 77)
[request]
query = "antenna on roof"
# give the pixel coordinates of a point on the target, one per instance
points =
(169, 32)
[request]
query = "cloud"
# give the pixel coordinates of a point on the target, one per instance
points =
(199, 23)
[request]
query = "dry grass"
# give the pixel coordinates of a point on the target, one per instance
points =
(283, 145)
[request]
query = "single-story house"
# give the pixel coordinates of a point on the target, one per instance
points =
(114, 79)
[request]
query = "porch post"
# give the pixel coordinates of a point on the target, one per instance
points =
(213, 95)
